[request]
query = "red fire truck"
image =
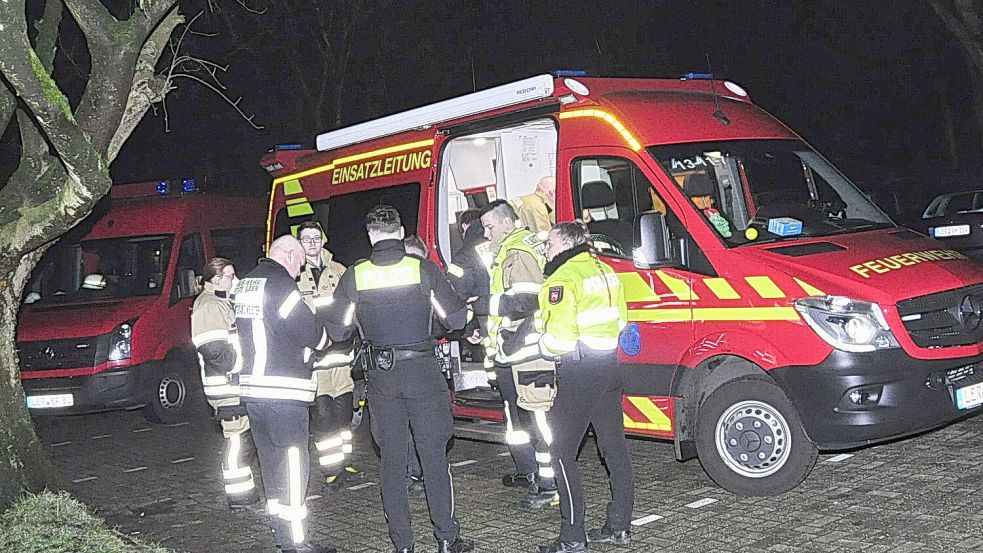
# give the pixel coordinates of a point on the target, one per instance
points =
(106, 321)
(775, 310)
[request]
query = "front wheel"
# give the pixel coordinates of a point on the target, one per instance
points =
(170, 397)
(750, 439)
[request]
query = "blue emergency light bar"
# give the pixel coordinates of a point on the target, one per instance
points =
(695, 76)
(163, 187)
(569, 73)
(282, 147)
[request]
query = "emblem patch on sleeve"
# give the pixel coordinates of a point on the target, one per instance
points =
(556, 294)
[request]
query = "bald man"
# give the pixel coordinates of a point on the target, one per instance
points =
(277, 332)
(537, 210)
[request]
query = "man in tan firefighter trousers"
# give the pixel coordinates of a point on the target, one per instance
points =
(331, 414)
(213, 334)
(512, 355)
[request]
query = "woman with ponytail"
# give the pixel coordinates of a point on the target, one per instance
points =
(583, 312)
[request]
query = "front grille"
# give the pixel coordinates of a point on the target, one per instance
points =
(944, 319)
(61, 354)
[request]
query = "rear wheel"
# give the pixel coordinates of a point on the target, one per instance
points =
(171, 396)
(750, 439)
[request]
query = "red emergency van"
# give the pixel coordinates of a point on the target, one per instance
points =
(775, 310)
(106, 320)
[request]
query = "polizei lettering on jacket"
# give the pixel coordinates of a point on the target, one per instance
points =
(382, 167)
(902, 260)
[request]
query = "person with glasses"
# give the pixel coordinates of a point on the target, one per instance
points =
(331, 415)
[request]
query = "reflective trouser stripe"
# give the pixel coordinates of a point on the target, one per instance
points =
(237, 477)
(512, 436)
(296, 512)
(332, 450)
(543, 458)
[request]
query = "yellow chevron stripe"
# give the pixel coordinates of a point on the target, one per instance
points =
(721, 288)
(636, 289)
(808, 288)
(678, 287)
(292, 187)
(765, 287)
(657, 420)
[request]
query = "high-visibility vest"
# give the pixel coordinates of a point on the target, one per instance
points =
(582, 301)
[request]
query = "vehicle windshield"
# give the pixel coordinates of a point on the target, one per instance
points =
(101, 269)
(754, 191)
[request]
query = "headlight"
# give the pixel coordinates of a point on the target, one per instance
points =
(847, 324)
(119, 342)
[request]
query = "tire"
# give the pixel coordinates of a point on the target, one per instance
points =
(750, 440)
(172, 396)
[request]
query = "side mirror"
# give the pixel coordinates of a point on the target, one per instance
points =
(187, 285)
(650, 241)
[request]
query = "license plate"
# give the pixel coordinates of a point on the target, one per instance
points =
(50, 401)
(970, 396)
(951, 230)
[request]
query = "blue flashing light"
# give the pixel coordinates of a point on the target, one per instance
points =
(703, 76)
(188, 186)
(570, 73)
(163, 187)
(280, 147)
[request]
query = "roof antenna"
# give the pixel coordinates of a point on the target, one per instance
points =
(716, 99)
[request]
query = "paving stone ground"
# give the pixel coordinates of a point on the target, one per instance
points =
(162, 483)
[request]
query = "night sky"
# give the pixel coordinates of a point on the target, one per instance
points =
(869, 84)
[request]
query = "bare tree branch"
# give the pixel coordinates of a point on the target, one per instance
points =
(93, 18)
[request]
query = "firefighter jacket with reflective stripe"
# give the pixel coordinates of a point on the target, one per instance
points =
(317, 284)
(535, 212)
(394, 297)
(471, 270)
(516, 278)
(583, 302)
(213, 333)
(277, 332)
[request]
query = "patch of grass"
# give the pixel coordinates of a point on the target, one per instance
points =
(56, 523)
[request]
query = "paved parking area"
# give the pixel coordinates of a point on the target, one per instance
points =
(162, 483)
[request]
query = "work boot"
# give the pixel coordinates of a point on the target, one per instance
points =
(310, 547)
(457, 545)
(541, 499)
(249, 505)
(333, 483)
(560, 546)
(415, 487)
(606, 534)
(518, 480)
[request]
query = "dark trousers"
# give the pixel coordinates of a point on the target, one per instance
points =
(429, 418)
(589, 392)
(281, 432)
(331, 422)
(524, 455)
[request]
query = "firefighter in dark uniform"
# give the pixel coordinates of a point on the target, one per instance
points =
(278, 332)
(395, 298)
(470, 272)
(331, 415)
(214, 336)
(583, 313)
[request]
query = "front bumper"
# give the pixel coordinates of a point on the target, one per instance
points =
(113, 389)
(903, 395)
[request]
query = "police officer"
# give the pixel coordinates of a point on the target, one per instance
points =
(405, 388)
(583, 312)
(331, 415)
(278, 332)
(214, 336)
(516, 278)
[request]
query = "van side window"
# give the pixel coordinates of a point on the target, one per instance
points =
(609, 192)
(343, 218)
(242, 246)
(191, 257)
